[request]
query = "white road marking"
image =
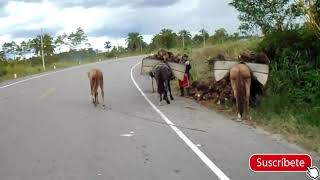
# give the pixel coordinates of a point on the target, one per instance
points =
(126, 135)
(50, 73)
(192, 146)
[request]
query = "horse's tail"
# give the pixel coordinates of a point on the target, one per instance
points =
(101, 81)
(241, 93)
(94, 83)
(101, 88)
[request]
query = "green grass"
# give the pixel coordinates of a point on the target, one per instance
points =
(230, 49)
(276, 113)
(22, 69)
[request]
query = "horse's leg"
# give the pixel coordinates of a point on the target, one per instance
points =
(91, 89)
(166, 82)
(234, 88)
(102, 93)
(95, 98)
(92, 97)
(169, 88)
(165, 96)
(152, 85)
(94, 87)
(96, 92)
(159, 89)
(247, 86)
(160, 103)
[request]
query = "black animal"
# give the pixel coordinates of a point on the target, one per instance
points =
(163, 75)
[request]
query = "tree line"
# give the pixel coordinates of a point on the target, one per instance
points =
(168, 39)
(74, 41)
(78, 40)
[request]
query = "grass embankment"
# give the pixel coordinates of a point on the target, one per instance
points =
(34, 66)
(23, 68)
(276, 112)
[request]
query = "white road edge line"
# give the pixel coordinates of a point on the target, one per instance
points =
(192, 146)
(50, 73)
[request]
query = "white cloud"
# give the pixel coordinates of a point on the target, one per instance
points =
(21, 15)
(5, 38)
(112, 20)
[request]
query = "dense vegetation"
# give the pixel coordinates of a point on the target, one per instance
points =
(292, 102)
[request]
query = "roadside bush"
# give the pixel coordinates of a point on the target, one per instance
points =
(3, 69)
(295, 75)
(295, 63)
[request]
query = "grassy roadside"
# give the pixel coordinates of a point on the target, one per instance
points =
(27, 67)
(275, 113)
(23, 69)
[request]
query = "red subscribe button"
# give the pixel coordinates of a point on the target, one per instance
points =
(280, 162)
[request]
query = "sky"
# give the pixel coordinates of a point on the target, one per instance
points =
(111, 20)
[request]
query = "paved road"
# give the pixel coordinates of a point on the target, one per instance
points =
(49, 130)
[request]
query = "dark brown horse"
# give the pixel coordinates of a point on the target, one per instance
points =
(163, 74)
(96, 79)
(240, 77)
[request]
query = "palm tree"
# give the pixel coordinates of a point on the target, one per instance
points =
(134, 41)
(48, 47)
(107, 45)
(168, 38)
(61, 40)
(185, 36)
(205, 35)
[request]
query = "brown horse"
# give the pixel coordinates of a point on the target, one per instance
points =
(96, 79)
(240, 77)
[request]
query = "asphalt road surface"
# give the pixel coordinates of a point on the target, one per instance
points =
(49, 130)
